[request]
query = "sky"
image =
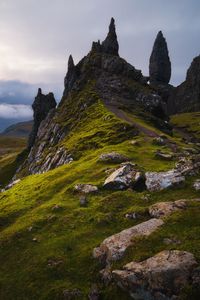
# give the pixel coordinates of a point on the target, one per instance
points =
(36, 38)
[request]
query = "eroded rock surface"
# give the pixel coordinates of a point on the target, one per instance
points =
(124, 177)
(113, 157)
(114, 247)
(161, 277)
(162, 209)
(157, 181)
(85, 188)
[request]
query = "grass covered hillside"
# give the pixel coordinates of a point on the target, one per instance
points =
(10, 147)
(47, 237)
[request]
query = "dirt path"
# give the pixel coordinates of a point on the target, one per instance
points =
(122, 115)
(148, 132)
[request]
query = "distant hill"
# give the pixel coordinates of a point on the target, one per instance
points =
(21, 129)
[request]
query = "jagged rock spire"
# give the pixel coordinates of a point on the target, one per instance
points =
(110, 44)
(41, 107)
(160, 65)
(70, 76)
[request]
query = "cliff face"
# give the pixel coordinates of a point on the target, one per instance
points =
(186, 97)
(102, 75)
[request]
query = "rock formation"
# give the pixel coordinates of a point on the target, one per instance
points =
(159, 65)
(70, 76)
(186, 97)
(41, 107)
(110, 44)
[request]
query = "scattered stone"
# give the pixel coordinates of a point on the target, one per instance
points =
(106, 275)
(113, 157)
(162, 276)
(35, 239)
(94, 293)
(197, 185)
(52, 263)
(165, 156)
(72, 294)
(159, 141)
(157, 181)
(30, 228)
(56, 207)
(124, 177)
(134, 143)
(163, 209)
(86, 188)
(169, 241)
(83, 201)
(160, 65)
(114, 247)
(133, 215)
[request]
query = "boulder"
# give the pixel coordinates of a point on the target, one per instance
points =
(160, 277)
(114, 247)
(85, 188)
(197, 185)
(157, 181)
(124, 177)
(113, 157)
(163, 209)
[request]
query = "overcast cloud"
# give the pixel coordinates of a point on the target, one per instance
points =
(15, 111)
(36, 37)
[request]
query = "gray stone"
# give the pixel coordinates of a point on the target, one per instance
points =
(85, 188)
(114, 247)
(157, 181)
(113, 157)
(163, 209)
(161, 277)
(197, 185)
(124, 177)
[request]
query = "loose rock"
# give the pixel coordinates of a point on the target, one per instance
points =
(162, 276)
(113, 157)
(197, 185)
(163, 209)
(85, 188)
(114, 247)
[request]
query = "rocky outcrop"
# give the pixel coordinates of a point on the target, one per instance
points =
(159, 65)
(110, 44)
(163, 209)
(41, 107)
(157, 181)
(161, 277)
(124, 177)
(114, 247)
(186, 97)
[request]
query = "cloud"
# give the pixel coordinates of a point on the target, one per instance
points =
(36, 40)
(15, 111)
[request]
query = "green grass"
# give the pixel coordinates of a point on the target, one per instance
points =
(44, 251)
(188, 121)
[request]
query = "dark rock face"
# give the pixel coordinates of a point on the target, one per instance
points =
(110, 44)
(186, 97)
(70, 76)
(160, 65)
(41, 107)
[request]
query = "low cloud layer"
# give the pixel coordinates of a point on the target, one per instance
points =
(15, 111)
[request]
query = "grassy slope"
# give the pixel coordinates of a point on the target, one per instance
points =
(61, 256)
(10, 147)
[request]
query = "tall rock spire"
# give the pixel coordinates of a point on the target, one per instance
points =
(70, 76)
(41, 107)
(110, 44)
(159, 64)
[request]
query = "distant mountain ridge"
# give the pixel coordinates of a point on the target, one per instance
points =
(21, 129)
